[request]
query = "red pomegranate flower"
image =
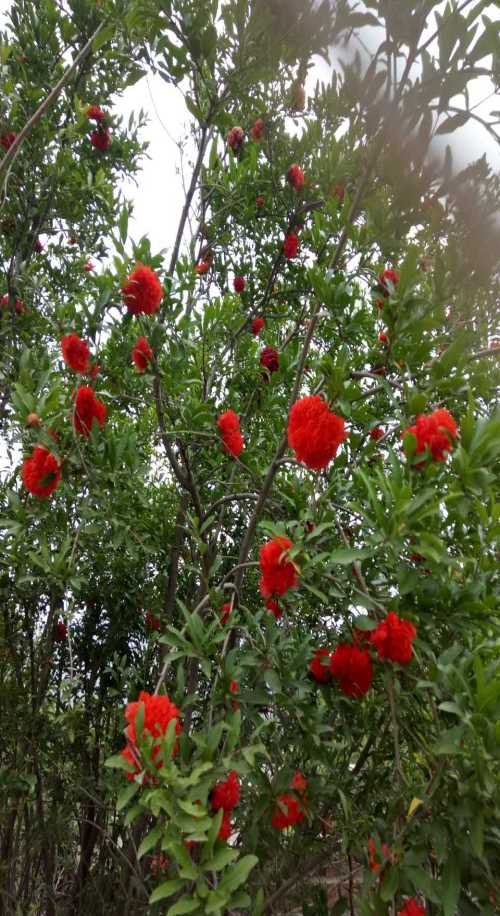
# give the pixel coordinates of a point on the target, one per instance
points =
(435, 431)
(7, 139)
(239, 284)
(393, 639)
(142, 354)
(152, 622)
(257, 325)
(314, 432)
(388, 275)
(288, 812)
(88, 266)
(320, 672)
(19, 306)
(270, 360)
(373, 859)
(87, 409)
(93, 370)
(274, 608)
(383, 338)
(94, 113)
(352, 667)
(225, 827)
(295, 176)
(38, 246)
(412, 908)
(226, 795)
(158, 713)
(278, 572)
(229, 427)
(376, 433)
(260, 200)
(100, 139)
(142, 293)
(60, 631)
(290, 245)
(75, 352)
(257, 130)
(235, 138)
(225, 612)
(299, 782)
(202, 267)
(41, 472)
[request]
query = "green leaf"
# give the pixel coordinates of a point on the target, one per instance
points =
(453, 123)
(166, 889)
(221, 858)
(125, 795)
(105, 35)
(451, 885)
(150, 840)
(344, 556)
(184, 905)
(239, 874)
(390, 883)
(448, 743)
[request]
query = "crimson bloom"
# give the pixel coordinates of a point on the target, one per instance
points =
(376, 433)
(274, 608)
(260, 200)
(152, 622)
(225, 612)
(257, 130)
(288, 813)
(229, 427)
(7, 139)
(41, 472)
(383, 338)
(278, 572)
(299, 782)
(320, 672)
(142, 354)
(393, 639)
(270, 360)
(239, 284)
(142, 292)
(314, 432)
(235, 138)
(76, 353)
(60, 631)
(435, 431)
(93, 370)
(88, 266)
(19, 306)
(159, 711)
(352, 667)
(202, 267)
(100, 139)
(226, 794)
(295, 176)
(94, 113)
(38, 246)
(373, 859)
(87, 409)
(290, 245)
(257, 325)
(412, 908)
(388, 275)
(225, 827)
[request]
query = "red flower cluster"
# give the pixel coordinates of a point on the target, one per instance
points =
(299, 783)
(412, 908)
(76, 353)
(152, 622)
(41, 473)
(274, 608)
(142, 354)
(314, 432)
(295, 176)
(94, 113)
(373, 860)
(288, 813)
(60, 631)
(290, 245)
(376, 433)
(235, 138)
(270, 360)
(100, 139)
(435, 432)
(142, 293)
(226, 795)
(260, 201)
(278, 572)
(18, 304)
(239, 284)
(203, 266)
(7, 139)
(393, 639)
(352, 668)
(388, 275)
(229, 427)
(257, 130)
(158, 713)
(225, 612)
(383, 338)
(257, 325)
(321, 672)
(87, 409)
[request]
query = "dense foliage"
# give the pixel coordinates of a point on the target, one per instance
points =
(249, 632)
